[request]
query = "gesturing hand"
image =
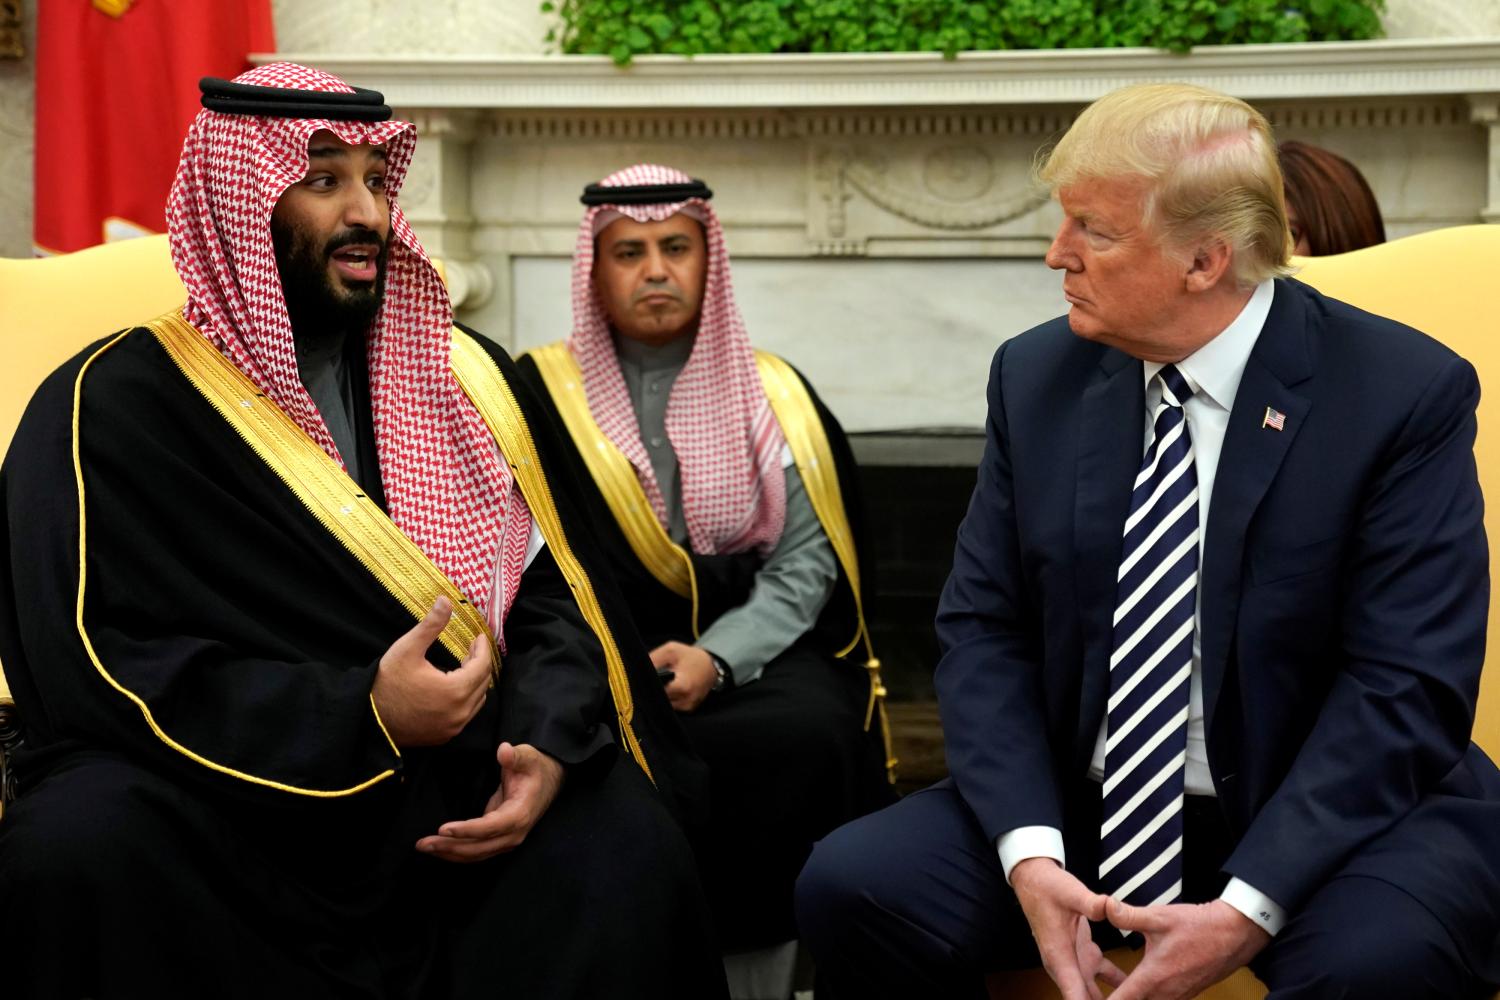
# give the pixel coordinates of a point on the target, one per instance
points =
(1058, 907)
(1189, 947)
(419, 704)
(529, 781)
(695, 673)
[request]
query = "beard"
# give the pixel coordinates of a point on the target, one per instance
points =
(323, 309)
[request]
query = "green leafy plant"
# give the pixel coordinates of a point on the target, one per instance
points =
(623, 29)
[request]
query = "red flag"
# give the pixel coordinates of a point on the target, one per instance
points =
(116, 88)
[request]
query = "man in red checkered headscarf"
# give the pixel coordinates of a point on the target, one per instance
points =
(728, 506)
(299, 618)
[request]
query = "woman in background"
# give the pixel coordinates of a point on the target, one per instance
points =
(1329, 205)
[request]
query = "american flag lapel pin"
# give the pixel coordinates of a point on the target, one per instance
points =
(1274, 419)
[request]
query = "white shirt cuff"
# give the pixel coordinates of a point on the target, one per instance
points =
(1025, 842)
(1266, 913)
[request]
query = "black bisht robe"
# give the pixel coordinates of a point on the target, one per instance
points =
(171, 612)
(792, 755)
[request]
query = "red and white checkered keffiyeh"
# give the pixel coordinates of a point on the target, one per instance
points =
(719, 421)
(447, 486)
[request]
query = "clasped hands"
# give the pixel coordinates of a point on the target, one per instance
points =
(421, 705)
(1189, 946)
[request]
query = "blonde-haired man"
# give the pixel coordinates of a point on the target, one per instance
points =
(1214, 629)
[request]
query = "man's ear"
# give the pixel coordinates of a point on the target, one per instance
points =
(1210, 265)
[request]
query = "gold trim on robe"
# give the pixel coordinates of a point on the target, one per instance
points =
(300, 463)
(337, 502)
(667, 561)
(615, 477)
(808, 443)
(481, 379)
(807, 440)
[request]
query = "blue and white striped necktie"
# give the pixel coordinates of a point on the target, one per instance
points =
(1150, 666)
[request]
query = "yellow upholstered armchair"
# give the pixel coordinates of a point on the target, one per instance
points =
(1439, 282)
(50, 309)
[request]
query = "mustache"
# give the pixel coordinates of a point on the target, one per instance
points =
(654, 290)
(358, 236)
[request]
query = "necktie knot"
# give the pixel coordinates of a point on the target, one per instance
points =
(1175, 388)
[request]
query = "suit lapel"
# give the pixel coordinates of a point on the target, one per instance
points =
(1111, 435)
(1251, 457)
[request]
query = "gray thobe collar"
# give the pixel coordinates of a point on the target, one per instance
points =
(324, 369)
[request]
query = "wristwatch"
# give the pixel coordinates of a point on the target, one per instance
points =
(721, 681)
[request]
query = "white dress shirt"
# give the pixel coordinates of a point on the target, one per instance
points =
(1213, 372)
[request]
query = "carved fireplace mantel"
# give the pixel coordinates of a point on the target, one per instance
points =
(879, 198)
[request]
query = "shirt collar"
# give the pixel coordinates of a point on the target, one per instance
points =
(326, 355)
(654, 357)
(1214, 370)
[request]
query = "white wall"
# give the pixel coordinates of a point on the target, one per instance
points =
(888, 343)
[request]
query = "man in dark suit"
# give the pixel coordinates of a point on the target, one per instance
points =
(1216, 691)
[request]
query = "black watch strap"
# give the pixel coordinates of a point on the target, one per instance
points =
(725, 680)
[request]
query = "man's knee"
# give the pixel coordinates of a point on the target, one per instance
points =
(842, 880)
(1363, 938)
(852, 882)
(610, 831)
(1378, 966)
(606, 837)
(908, 901)
(647, 835)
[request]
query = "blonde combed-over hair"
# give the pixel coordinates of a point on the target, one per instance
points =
(1208, 160)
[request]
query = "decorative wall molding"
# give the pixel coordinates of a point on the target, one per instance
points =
(1390, 114)
(647, 125)
(936, 122)
(955, 193)
(1485, 110)
(1314, 70)
(643, 124)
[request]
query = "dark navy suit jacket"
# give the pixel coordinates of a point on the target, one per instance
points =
(1344, 594)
